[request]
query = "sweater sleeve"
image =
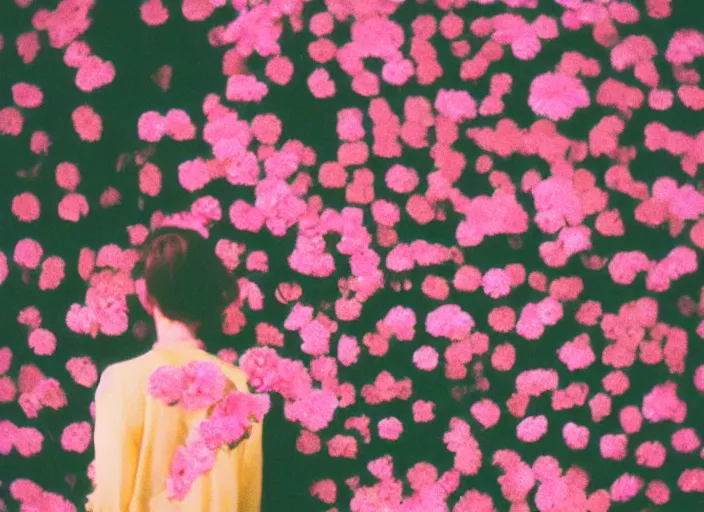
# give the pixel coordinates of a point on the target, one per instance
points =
(116, 447)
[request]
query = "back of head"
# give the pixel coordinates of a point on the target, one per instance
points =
(184, 277)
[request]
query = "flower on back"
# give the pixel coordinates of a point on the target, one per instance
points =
(166, 383)
(204, 385)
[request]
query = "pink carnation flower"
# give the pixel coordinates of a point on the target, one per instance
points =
(456, 105)
(449, 321)
(28, 253)
(166, 383)
(390, 428)
(496, 283)
(94, 73)
(189, 462)
(83, 371)
(11, 121)
(153, 13)
(76, 437)
(425, 358)
(204, 385)
(179, 126)
(151, 126)
(245, 88)
(26, 207)
(293, 380)
(194, 174)
(557, 96)
(222, 431)
(259, 364)
(87, 123)
(314, 411)
(27, 95)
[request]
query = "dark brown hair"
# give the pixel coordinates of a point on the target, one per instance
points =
(185, 277)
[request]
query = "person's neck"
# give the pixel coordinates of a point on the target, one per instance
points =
(171, 331)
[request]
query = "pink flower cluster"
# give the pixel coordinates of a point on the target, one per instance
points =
(39, 392)
(198, 385)
(106, 299)
(430, 491)
(183, 220)
(32, 497)
(201, 385)
(177, 124)
(572, 211)
(27, 441)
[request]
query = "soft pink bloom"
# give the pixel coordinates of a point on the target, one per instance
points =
(229, 252)
(166, 383)
(321, 84)
(691, 480)
(496, 283)
(5, 359)
(76, 53)
(324, 490)
(72, 207)
(179, 126)
(502, 319)
(486, 412)
(184, 220)
(67, 176)
(222, 431)
(347, 350)
(423, 411)
(26, 207)
(662, 404)
(42, 342)
(401, 180)
(204, 384)
(626, 487)
(343, 446)
(76, 437)
(188, 463)
(557, 96)
(390, 428)
(150, 180)
(449, 321)
(194, 174)
(260, 365)
(425, 358)
(153, 13)
(279, 70)
(83, 371)
(151, 126)
(27, 95)
(245, 88)
(397, 72)
(40, 142)
(94, 73)
(532, 428)
(11, 121)
(314, 411)
(293, 380)
(316, 338)
(308, 443)
(53, 272)
(87, 123)
(28, 46)
(28, 441)
(456, 105)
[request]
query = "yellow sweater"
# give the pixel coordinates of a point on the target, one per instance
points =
(136, 436)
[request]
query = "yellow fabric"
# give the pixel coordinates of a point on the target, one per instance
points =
(136, 436)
